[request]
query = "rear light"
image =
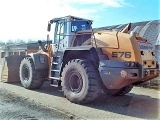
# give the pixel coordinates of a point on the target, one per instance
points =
(131, 64)
(142, 52)
(144, 62)
(153, 54)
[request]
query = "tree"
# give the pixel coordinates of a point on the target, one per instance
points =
(2, 43)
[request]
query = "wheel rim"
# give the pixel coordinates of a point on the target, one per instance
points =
(25, 73)
(75, 81)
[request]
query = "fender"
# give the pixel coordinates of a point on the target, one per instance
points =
(81, 52)
(40, 60)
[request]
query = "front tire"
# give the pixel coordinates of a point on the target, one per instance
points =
(80, 81)
(30, 77)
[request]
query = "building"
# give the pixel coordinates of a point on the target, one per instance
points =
(10, 59)
(19, 49)
(147, 29)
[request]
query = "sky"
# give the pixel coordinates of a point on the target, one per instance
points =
(28, 19)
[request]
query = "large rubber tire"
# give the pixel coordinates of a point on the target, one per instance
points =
(29, 77)
(119, 92)
(81, 81)
(124, 90)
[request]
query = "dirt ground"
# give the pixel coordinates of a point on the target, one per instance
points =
(13, 107)
(48, 103)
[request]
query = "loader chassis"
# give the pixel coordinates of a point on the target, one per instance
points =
(86, 62)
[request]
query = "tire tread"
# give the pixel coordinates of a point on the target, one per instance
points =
(94, 89)
(38, 76)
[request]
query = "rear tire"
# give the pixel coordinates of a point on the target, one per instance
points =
(29, 77)
(119, 92)
(80, 81)
(124, 90)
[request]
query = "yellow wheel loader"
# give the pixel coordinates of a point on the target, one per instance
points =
(86, 62)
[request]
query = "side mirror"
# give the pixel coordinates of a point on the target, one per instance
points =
(39, 42)
(49, 27)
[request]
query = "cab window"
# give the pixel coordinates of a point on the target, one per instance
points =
(79, 25)
(60, 31)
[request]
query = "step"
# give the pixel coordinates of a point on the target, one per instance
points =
(56, 60)
(58, 56)
(55, 67)
(55, 83)
(55, 78)
(54, 74)
(55, 63)
(55, 70)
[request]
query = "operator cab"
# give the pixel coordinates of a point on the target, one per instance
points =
(65, 29)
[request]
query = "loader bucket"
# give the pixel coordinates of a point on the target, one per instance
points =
(9, 68)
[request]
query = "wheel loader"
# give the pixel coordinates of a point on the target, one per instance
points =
(87, 62)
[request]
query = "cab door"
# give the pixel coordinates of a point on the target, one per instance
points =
(59, 36)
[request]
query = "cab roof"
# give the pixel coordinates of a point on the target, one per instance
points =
(68, 17)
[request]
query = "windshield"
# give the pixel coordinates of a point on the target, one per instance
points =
(80, 25)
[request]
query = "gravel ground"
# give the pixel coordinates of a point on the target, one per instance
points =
(154, 83)
(49, 103)
(13, 107)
